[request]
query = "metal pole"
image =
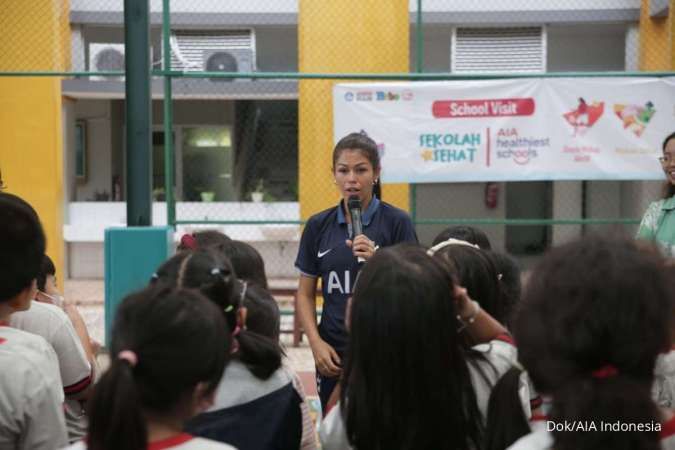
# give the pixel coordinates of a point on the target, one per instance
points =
(419, 68)
(138, 112)
(169, 156)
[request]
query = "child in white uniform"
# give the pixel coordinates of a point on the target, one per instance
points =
(169, 349)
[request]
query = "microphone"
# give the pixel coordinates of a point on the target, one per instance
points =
(354, 206)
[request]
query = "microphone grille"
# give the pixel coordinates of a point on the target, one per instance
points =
(354, 202)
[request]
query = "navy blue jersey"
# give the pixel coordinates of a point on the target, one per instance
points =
(323, 253)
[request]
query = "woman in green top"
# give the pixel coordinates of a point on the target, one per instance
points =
(658, 223)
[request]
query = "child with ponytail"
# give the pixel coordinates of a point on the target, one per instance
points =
(169, 350)
(256, 404)
(595, 316)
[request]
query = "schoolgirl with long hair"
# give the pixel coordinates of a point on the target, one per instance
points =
(410, 381)
(594, 318)
(256, 404)
(169, 349)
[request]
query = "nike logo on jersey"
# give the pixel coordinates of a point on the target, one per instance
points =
(322, 254)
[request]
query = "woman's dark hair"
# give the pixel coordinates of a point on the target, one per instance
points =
(476, 272)
(406, 383)
(362, 142)
(262, 312)
(179, 340)
(46, 268)
(22, 247)
(506, 421)
(509, 282)
(247, 262)
(668, 188)
(212, 274)
(597, 304)
(205, 239)
(464, 233)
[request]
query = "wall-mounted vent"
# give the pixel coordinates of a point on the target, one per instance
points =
(498, 50)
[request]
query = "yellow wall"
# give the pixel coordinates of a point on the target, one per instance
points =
(347, 36)
(657, 50)
(31, 153)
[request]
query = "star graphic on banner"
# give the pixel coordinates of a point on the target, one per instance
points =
(427, 154)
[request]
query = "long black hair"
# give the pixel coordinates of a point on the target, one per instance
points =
(476, 271)
(213, 275)
(595, 315)
(367, 146)
(246, 261)
(406, 383)
(177, 340)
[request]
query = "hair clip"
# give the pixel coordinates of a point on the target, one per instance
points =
(216, 271)
(128, 356)
(189, 241)
(451, 241)
(228, 308)
(154, 276)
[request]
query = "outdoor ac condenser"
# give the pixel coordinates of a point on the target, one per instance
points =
(214, 51)
(106, 57)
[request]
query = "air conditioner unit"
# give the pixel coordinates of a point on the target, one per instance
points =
(214, 51)
(104, 57)
(107, 57)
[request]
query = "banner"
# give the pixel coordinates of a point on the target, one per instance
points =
(512, 130)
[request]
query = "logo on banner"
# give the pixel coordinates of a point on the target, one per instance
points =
(504, 107)
(584, 116)
(449, 148)
(635, 117)
(364, 96)
(349, 96)
(407, 96)
(382, 96)
(522, 149)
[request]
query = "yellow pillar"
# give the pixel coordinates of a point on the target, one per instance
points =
(35, 37)
(657, 49)
(347, 36)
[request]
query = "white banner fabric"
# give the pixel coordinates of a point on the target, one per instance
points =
(512, 130)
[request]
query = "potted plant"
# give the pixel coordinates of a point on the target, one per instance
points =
(207, 196)
(259, 193)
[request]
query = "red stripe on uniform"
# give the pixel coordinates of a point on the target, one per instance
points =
(505, 337)
(78, 387)
(170, 442)
(668, 428)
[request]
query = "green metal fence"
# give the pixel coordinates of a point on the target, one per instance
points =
(225, 142)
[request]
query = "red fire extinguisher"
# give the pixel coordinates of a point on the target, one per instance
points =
(491, 195)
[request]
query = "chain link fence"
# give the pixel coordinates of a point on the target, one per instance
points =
(234, 70)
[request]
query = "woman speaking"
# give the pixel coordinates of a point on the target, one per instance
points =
(329, 250)
(658, 222)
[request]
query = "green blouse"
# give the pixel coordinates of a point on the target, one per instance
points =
(658, 225)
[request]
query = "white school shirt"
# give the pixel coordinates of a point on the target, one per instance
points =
(31, 396)
(52, 323)
(183, 441)
(501, 355)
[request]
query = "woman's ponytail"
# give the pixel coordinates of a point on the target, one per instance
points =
(115, 413)
(260, 354)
